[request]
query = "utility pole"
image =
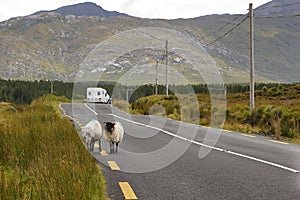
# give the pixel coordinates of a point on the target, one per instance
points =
(127, 95)
(51, 85)
(167, 54)
(156, 78)
(252, 85)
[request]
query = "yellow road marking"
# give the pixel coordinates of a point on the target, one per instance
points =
(226, 131)
(127, 190)
(247, 135)
(113, 165)
(275, 141)
(103, 153)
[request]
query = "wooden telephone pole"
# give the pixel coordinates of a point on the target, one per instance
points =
(167, 54)
(252, 84)
(156, 78)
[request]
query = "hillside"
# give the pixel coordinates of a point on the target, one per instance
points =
(52, 45)
(279, 7)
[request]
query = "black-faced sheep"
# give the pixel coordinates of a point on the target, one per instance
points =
(91, 133)
(113, 133)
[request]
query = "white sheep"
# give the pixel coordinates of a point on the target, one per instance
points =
(91, 133)
(113, 133)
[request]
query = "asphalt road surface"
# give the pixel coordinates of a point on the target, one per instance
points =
(166, 159)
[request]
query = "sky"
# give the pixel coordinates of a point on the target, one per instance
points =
(165, 9)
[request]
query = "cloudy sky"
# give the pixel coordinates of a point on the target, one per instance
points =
(167, 9)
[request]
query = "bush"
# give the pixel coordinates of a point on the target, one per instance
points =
(273, 115)
(277, 121)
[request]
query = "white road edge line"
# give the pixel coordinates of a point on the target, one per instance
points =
(207, 146)
(264, 161)
(278, 142)
(61, 109)
(90, 109)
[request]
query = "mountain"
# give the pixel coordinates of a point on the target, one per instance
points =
(279, 7)
(84, 9)
(53, 45)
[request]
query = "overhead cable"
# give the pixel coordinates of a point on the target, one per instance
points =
(225, 34)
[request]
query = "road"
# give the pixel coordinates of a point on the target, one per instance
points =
(166, 159)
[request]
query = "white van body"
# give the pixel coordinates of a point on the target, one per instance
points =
(97, 95)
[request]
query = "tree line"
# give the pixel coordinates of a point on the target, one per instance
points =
(21, 92)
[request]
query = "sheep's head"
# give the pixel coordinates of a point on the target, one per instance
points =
(85, 135)
(109, 126)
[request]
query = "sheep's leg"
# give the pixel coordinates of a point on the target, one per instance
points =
(92, 144)
(86, 142)
(111, 147)
(117, 144)
(114, 147)
(89, 144)
(100, 144)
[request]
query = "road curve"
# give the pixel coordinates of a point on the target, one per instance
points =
(160, 159)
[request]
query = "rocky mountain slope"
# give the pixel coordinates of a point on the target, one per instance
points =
(52, 45)
(279, 7)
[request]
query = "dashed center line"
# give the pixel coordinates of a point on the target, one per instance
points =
(113, 165)
(125, 187)
(208, 146)
(127, 191)
(104, 153)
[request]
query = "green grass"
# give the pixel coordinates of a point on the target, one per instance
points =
(277, 111)
(42, 156)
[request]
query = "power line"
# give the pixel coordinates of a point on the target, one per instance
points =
(279, 16)
(237, 25)
(225, 34)
(223, 27)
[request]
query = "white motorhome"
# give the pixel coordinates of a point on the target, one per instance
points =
(97, 95)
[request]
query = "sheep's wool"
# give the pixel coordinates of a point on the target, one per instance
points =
(116, 135)
(93, 129)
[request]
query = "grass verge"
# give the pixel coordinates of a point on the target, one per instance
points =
(277, 112)
(42, 156)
